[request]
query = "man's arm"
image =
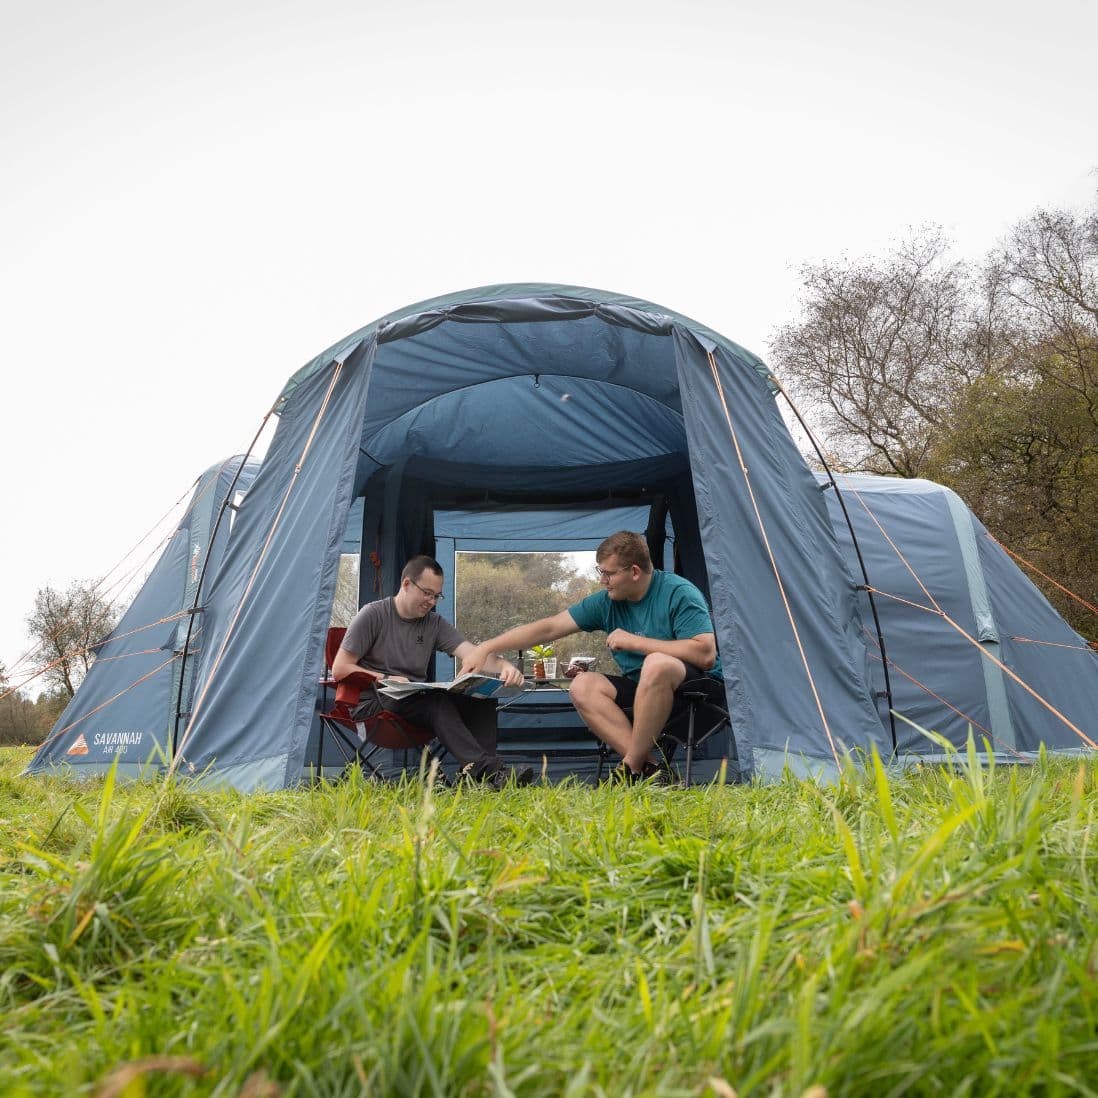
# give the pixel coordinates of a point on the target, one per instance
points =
(346, 663)
(701, 650)
(492, 664)
(522, 636)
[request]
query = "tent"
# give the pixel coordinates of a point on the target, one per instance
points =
(504, 400)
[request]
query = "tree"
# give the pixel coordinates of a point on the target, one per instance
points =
(880, 351)
(986, 381)
(1025, 450)
(66, 626)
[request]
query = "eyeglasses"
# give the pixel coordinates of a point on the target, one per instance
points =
(438, 596)
(603, 573)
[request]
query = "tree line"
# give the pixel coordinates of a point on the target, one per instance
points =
(982, 376)
(64, 627)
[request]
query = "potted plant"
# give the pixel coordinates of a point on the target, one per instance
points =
(545, 661)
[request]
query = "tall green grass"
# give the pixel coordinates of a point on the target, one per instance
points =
(933, 933)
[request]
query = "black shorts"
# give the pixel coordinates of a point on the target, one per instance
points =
(625, 690)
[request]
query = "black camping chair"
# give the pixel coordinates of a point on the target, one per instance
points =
(703, 715)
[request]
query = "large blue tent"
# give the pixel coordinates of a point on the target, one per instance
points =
(498, 403)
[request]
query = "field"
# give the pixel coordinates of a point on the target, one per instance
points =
(931, 933)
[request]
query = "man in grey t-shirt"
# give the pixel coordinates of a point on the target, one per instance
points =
(396, 637)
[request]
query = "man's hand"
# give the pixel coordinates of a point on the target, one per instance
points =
(621, 641)
(397, 678)
(477, 660)
(510, 674)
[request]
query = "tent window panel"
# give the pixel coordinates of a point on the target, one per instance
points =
(496, 591)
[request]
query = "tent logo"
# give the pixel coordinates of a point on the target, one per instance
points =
(79, 746)
(116, 743)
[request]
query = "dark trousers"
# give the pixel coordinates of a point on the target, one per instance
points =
(466, 727)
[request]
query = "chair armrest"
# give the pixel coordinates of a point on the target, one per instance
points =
(362, 679)
(349, 688)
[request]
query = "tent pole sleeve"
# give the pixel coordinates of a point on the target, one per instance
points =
(857, 549)
(201, 577)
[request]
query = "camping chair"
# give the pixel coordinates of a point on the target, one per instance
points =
(703, 716)
(359, 740)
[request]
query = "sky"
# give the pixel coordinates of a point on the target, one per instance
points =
(197, 199)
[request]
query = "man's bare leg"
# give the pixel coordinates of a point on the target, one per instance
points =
(593, 696)
(660, 677)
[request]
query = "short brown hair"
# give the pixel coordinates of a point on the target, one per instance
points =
(418, 565)
(629, 548)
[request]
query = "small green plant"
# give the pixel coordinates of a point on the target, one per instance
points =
(543, 651)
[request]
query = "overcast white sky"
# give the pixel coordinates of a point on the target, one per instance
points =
(197, 198)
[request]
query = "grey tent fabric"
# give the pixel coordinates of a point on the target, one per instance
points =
(941, 679)
(502, 398)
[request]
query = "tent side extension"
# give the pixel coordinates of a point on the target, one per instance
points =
(127, 708)
(506, 397)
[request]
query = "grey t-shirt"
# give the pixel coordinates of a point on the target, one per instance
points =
(382, 640)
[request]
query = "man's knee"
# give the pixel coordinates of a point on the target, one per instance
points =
(589, 686)
(659, 669)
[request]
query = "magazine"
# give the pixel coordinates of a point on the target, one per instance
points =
(473, 685)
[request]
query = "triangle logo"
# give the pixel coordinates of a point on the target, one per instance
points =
(79, 746)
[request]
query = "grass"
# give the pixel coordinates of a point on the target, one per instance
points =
(932, 933)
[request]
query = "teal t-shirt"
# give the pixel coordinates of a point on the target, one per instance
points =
(672, 609)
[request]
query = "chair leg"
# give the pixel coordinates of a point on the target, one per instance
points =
(690, 743)
(604, 753)
(351, 750)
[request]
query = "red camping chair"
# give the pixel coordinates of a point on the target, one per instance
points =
(359, 740)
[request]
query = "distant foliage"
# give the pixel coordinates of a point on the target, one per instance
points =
(23, 721)
(345, 604)
(982, 377)
(496, 591)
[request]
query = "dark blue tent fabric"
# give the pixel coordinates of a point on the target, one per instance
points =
(125, 708)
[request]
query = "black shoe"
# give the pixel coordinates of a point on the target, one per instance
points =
(622, 775)
(515, 775)
(494, 775)
(437, 779)
(471, 773)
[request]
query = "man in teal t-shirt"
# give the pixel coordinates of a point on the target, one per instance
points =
(661, 633)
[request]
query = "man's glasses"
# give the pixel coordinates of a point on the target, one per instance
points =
(438, 596)
(604, 573)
